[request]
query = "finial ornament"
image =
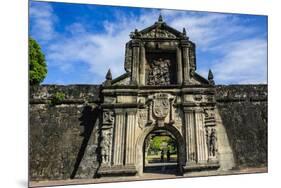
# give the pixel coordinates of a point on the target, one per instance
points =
(160, 19)
(108, 75)
(108, 78)
(184, 32)
(211, 77)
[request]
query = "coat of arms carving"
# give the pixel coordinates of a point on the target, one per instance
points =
(161, 106)
(142, 118)
(159, 72)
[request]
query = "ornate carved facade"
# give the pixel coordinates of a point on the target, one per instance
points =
(160, 90)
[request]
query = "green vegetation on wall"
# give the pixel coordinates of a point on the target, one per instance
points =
(57, 98)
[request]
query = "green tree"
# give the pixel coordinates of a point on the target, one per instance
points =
(37, 63)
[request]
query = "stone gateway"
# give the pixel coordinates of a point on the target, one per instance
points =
(159, 91)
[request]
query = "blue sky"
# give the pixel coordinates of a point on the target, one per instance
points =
(81, 42)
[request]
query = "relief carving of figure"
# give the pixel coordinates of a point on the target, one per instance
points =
(159, 72)
(212, 143)
(105, 145)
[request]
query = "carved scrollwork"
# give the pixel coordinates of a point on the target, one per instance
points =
(108, 117)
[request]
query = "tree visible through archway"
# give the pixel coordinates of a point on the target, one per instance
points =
(160, 153)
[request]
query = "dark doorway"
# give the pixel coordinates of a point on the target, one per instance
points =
(160, 153)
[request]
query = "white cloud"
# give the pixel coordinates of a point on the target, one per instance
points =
(244, 62)
(99, 51)
(42, 20)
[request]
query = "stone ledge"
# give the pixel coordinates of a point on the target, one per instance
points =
(65, 101)
(117, 171)
(199, 167)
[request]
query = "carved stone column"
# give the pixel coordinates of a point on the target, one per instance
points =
(142, 65)
(119, 129)
(130, 138)
(190, 136)
(135, 64)
(202, 151)
(179, 66)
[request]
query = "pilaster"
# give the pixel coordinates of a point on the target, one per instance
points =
(202, 152)
(130, 138)
(135, 62)
(142, 65)
(186, 63)
(119, 129)
(190, 136)
(179, 66)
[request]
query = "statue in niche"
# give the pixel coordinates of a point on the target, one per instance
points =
(212, 143)
(105, 145)
(159, 72)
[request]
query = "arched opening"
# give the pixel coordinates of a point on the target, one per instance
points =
(160, 153)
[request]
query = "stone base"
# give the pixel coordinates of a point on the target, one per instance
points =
(110, 171)
(212, 165)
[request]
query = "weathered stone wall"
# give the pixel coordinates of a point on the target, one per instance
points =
(60, 135)
(243, 110)
(63, 138)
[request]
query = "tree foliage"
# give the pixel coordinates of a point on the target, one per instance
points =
(37, 63)
(158, 143)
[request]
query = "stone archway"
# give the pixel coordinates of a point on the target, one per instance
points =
(141, 141)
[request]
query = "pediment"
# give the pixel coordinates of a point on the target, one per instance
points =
(158, 33)
(160, 30)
